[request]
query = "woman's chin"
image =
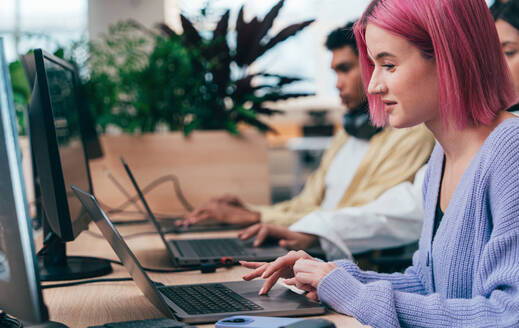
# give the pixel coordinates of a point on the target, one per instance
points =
(398, 123)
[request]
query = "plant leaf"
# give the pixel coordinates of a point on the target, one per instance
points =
(221, 28)
(282, 36)
(190, 32)
(268, 21)
(267, 111)
(244, 36)
(164, 28)
(283, 96)
(263, 127)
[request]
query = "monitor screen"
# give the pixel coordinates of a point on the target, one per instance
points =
(20, 293)
(65, 109)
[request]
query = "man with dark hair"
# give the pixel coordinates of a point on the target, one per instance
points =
(362, 196)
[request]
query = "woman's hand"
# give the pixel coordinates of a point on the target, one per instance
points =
(308, 274)
(282, 267)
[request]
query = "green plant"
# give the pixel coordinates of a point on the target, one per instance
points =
(21, 93)
(141, 78)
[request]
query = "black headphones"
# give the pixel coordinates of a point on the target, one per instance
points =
(357, 123)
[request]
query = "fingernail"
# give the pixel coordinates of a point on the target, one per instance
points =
(261, 292)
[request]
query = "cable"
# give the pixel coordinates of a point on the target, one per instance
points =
(155, 183)
(89, 281)
(123, 190)
(158, 270)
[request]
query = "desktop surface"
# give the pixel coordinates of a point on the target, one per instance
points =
(100, 303)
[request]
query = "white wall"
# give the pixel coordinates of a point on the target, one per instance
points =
(103, 13)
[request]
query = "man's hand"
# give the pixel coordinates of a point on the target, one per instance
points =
(288, 239)
(226, 209)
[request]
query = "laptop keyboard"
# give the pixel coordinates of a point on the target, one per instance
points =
(207, 299)
(217, 247)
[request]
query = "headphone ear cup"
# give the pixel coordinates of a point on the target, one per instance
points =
(357, 123)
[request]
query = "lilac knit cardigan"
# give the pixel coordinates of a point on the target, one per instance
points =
(468, 276)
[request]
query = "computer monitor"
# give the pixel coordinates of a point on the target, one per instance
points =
(59, 155)
(20, 294)
(86, 122)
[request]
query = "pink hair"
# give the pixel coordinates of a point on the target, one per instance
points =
(474, 80)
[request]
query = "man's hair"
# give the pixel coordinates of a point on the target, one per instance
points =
(460, 35)
(342, 37)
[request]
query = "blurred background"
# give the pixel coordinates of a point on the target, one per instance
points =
(121, 62)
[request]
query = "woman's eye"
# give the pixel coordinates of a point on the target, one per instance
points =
(510, 53)
(388, 66)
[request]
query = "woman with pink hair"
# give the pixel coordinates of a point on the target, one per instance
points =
(437, 62)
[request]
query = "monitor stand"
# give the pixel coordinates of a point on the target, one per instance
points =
(7, 321)
(55, 265)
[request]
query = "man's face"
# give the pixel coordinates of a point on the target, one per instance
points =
(345, 63)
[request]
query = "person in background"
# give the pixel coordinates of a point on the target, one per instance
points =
(507, 25)
(361, 197)
(439, 63)
(495, 8)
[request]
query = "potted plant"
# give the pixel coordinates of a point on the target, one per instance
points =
(148, 80)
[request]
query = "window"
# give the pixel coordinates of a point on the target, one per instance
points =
(27, 24)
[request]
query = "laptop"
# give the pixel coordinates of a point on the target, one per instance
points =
(188, 252)
(169, 224)
(200, 303)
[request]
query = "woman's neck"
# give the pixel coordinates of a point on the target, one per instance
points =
(458, 144)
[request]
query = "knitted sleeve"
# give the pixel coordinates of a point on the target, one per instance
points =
(495, 290)
(409, 281)
(379, 303)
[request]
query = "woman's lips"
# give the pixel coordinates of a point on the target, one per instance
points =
(389, 105)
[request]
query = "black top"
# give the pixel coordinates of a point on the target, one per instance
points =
(438, 216)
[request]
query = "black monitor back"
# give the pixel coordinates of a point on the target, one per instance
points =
(57, 145)
(20, 293)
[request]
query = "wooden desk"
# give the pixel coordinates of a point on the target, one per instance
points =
(99, 303)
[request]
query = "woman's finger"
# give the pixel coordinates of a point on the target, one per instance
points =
(252, 265)
(313, 295)
(285, 262)
(256, 273)
(304, 278)
(271, 281)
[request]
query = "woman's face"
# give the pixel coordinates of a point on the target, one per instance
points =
(509, 38)
(405, 80)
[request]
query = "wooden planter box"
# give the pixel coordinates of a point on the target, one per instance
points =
(207, 163)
